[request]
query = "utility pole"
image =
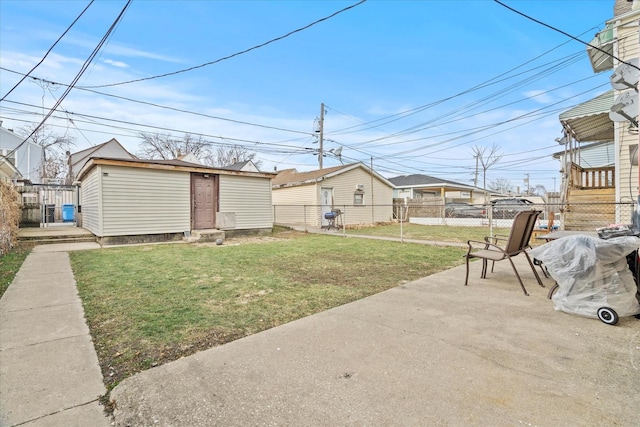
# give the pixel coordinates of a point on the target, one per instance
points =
(475, 181)
(321, 136)
(526, 181)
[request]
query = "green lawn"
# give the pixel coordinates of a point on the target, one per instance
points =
(10, 264)
(147, 305)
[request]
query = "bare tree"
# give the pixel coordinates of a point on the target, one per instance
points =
(538, 190)
(166, 147)
(230, 154)
(486, 160)
(501, 185)
(54, 150)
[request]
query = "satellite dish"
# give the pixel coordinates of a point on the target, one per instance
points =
(625, 107)
(338, 152)
(626, 75)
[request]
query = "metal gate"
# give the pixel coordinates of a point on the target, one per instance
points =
(48, 205)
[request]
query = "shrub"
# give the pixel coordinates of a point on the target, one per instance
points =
(9, 216)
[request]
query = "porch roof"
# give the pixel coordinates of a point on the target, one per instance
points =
(590, 120)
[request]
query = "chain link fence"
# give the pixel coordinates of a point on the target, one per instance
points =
(492, 216)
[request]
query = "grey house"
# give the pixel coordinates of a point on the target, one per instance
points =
(26, 158)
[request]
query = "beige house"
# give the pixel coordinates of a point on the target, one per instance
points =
(134, 200)
(589, 194)
(363, 196)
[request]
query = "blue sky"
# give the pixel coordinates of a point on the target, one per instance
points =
(369, 65)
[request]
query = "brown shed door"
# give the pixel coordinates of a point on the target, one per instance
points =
(204, 201)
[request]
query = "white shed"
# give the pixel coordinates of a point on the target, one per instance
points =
(131, 200)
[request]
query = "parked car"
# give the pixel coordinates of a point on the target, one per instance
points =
(464, 210)
(508, 208)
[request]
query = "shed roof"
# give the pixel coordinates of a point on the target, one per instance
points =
(174, 165)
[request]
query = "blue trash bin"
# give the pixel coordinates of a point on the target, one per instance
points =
(68, 213)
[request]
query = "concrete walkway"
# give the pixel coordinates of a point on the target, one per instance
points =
(49, 372)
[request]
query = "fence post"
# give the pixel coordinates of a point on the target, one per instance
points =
(490, 209)
(304, 214)
(401, 225)
(344, 228)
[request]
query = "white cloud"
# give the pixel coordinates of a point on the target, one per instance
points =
(118, 64)
(539, 96)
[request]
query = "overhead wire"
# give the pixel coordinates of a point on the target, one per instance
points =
(179, 110)
(234, 54)
(74, 81)
(47, 52)
(566, 34)
(494, 80)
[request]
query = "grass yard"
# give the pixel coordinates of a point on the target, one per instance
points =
(10, 264)
(438, 233)
(147, 305)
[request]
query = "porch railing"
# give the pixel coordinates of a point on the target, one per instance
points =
(592, 178)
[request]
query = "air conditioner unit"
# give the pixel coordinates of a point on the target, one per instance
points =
(359, 187)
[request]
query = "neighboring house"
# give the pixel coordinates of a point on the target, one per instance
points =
(133, 200)
(190, 157)
(590, 155)
(591, 121)
(26, 158)
(419, 186)
(8, 172)
(247, 166)
(111, 149)
(363, 196)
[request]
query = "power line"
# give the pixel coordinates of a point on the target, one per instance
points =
(84, 67)
(48, 51)
(179, 110)
(492, 81)
(235, 54)
(566, 34)
(160, 128)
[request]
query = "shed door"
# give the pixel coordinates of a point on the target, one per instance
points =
(203, 196)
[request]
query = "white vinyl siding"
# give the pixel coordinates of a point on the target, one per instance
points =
(246, 201)
(145, 201)
(90, 201)
(289, 205)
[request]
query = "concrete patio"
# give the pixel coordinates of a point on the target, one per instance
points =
(431, 352)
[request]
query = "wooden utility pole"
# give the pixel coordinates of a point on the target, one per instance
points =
(321, 136)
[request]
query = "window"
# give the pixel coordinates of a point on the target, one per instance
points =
(358, 198)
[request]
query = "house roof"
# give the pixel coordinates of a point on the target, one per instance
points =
(291, 177)
(246, 165)
(8, 170)
(584, 147)
(174, 165)
(426, 181)
(83, 155)
(590, 120)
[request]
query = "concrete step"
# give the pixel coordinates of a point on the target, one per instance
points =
(61, 239)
